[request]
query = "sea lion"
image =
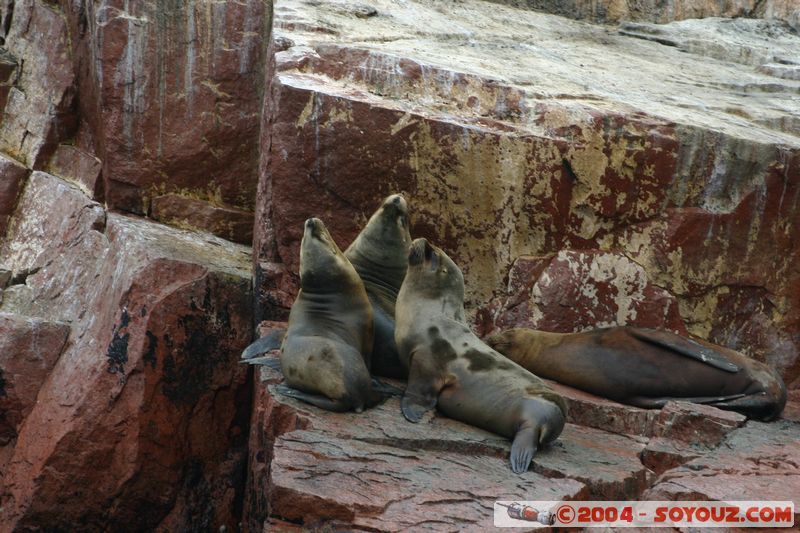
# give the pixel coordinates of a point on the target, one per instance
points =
(328, 341)
(379, 255)
(452, 369)
(647, 367)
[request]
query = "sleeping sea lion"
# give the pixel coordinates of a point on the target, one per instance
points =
(452, 369)
(379, 255)
(647, 367)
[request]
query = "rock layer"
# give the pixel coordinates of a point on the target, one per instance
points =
(661, 11)
(147, 407)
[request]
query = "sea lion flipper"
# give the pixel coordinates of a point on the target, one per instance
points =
(415, 408)
(523, 449)
(323, 402)
(684, 346)
(385, 389)
(422, 391)
(272, 362)
(269, 342)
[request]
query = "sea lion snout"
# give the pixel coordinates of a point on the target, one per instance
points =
(416, 254)
(500, 341)
(315, 228)
(396, 201)
(422, 252)
(396, 206)
(313, 224)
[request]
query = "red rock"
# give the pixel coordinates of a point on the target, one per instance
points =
(29, 348)
(684, 431)
(792, 409)
(697, 424)
(12, 178)
(352, 484)
(359, 471)
(147, 408)
(757, 462)
(226, 222)
(40, 111)
(578, 290)
(267, 326)
(8, 70)
(173, 97)
(75, 165)
(588, 410)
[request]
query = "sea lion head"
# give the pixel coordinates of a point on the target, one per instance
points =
(504, 341)
(322, 263)
(432, 273)
(773, 390)
(385, 239)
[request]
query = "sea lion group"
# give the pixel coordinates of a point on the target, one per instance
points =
(393, 308)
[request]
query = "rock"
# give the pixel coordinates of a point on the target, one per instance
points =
(8, 70)
(684, 431)
(376, 470)
(606, 11)
(757, 461)
(29, 348)
(549, 138)
(226, 222)
(39, 112)
(76, 166)
(588, 410)
(266, 327)
(147, 407)
(578, 290)
(175, 98)
(12, 179)
(792, 409)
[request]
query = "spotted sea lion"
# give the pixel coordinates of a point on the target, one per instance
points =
(647, 367)
(379, 255)
(452, 369)
(328, 341)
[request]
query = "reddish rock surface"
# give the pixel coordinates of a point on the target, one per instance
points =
(760, 461)
(586, 409)
(29, 348)
(174, 96)
(170, 102)
(573, 291)
(147, 407)
(77, 166)
(12, 178)
(39, 112)
(376, 470)
(684, 431)
(231, 224)
(8, 70)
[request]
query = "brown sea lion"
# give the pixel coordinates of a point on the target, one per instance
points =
(647, 367)
(380, 256)
(452, 369)
(328, 340)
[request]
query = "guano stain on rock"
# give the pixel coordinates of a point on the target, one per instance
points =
(117, 353)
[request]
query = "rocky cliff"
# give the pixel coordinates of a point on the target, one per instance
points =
(638, 165)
